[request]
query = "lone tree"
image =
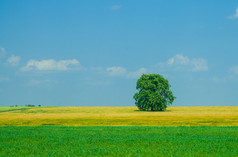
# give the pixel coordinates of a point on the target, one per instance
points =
(154, 93)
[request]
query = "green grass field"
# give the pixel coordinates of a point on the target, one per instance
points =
(118, 131)
(118, 141)
(9, 109)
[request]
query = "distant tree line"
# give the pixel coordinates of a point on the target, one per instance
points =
(28, 105)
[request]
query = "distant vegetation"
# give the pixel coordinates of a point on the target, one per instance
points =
(118, 141)
(17, 108)
(28, 105)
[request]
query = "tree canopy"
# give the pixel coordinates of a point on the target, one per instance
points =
(153, 93)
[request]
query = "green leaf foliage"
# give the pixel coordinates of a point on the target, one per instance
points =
(154, 93)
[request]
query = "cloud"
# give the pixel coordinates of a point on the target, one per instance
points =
(116, 71)
(178, 60)
(98, 70)
(199, 64)
(13, 60)
(181, 62)
(120, 71)
(137, 73)
(2, 52)
(235, 15)
(234, 70)
(116, 7)
(231, 76)
(50, 65)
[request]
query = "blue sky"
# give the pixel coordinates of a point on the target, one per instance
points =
(90, 53)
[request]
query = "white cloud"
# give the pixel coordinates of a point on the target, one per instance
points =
(2, 52)
(137, 73)
(13, 60)
(116, 7)
(116, 71)
(120, 71)
(199, 64)
(178, 60)
(234, 70)
(232, 76)
(181, 62)
(235, 15)
(50, 65)
(99, 70)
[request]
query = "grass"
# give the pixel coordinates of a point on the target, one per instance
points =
(120, 116)
(9, 109)
(118, 141)
(118, 131)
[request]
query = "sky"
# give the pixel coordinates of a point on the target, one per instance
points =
(91, 53)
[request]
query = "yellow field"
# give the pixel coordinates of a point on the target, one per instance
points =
(121, 116)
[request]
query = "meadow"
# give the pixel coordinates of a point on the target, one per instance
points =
(120, 116)
(8, 109)
(118, 141)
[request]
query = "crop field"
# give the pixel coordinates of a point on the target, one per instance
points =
(118, 131)
(118, 141)
(120, 116)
